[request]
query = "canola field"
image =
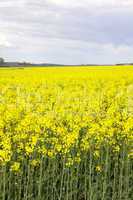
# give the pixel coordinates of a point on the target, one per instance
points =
(66, 133)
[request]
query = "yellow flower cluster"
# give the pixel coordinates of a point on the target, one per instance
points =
(47, 112)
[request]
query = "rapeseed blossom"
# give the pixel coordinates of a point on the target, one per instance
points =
(69, 114)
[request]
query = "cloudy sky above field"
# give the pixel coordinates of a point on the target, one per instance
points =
(67, 31)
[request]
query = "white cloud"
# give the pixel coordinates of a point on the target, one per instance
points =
(12, 3)
(3, 41)
(84, 3)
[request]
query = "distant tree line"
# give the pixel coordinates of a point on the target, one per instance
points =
(1, 60)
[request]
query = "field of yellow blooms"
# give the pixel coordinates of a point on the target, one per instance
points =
(66, 133)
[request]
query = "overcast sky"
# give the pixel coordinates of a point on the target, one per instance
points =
(67, 31)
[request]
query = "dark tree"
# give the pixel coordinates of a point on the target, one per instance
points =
(1, 60)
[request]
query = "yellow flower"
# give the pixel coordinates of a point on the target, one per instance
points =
(50, 153)
(28, 150)
(98, 168)
(116, 148)
(130, 154)
(97, 153)
(34, 163)
(15, 167)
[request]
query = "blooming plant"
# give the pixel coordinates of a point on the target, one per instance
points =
(66, 133)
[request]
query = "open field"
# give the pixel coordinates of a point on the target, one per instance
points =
(66, 133)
